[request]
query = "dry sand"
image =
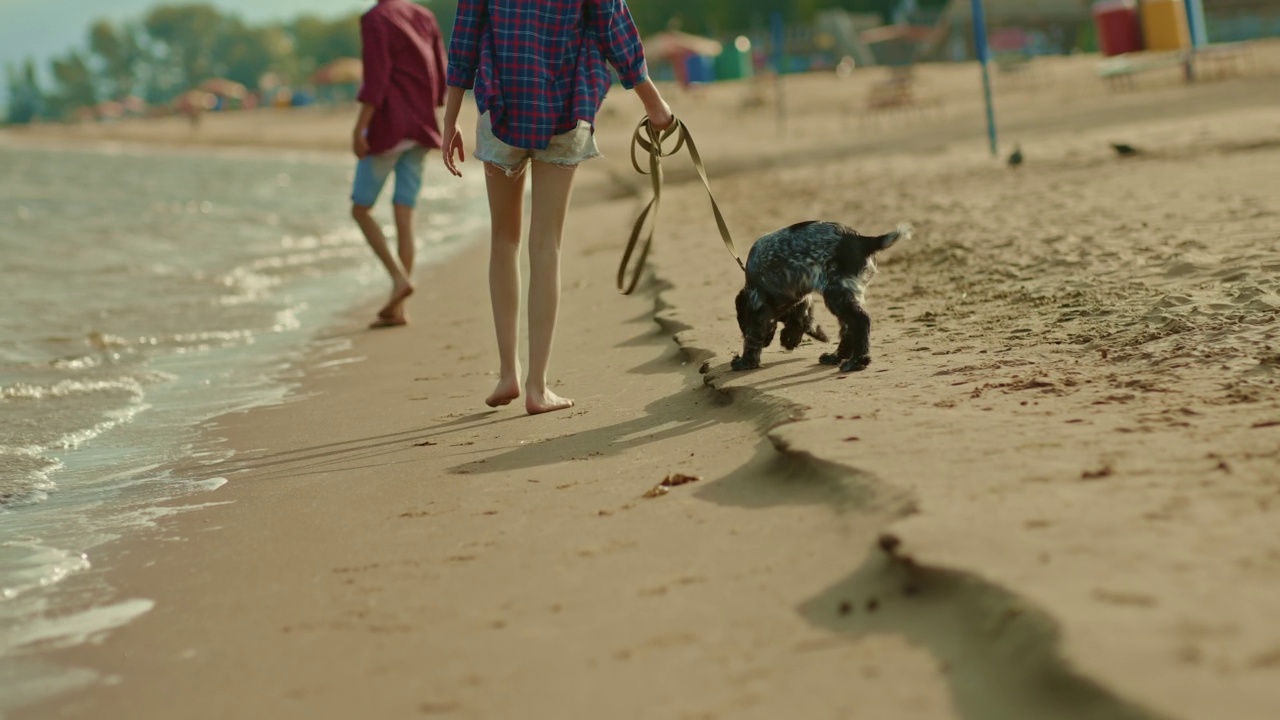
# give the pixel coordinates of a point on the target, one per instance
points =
(1054, 493)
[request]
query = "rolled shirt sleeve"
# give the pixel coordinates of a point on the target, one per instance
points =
(611, 22)
(441, 68)
(376, 57)
(464, 46)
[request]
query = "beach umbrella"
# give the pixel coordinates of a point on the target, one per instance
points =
(343, 71)
(224, 88)
(195, 101)
(109, 110)
(898, 44)
(675, 44)
(901, 33)
(134, 104)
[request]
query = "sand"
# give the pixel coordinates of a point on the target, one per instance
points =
(1053, 494)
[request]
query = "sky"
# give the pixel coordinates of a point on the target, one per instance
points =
(44, 28)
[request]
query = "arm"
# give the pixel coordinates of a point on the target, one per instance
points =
(610, 21)
(453, 144)
(464, 48)
(464, 60)
(442, 67)
(376, 56)
(654, 106)
(360, 138)
(375, 52)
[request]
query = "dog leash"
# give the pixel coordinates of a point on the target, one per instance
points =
(650, 140)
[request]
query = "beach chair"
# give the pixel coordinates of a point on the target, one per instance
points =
(1120, 71)
(894, 92)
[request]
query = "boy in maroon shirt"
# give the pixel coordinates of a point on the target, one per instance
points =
(404, 83)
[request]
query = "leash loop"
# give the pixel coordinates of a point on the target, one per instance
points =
(650, 141)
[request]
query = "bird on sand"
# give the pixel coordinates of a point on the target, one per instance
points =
(1015, 158)
(1125, 149)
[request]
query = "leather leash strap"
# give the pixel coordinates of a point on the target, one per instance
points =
(650, 141)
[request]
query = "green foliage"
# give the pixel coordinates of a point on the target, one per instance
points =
(722, 17)
(26, 101)
(318, 41)
(120, 56)
(175, 47)
(244, 54)
(75, 82)
(186, 38)
(444, 10)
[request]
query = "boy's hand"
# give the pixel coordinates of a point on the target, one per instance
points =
(360, 144)
(454, 149)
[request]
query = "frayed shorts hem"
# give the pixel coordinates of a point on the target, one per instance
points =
(566, 150)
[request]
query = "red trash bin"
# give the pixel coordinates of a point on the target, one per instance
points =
(1119, 27)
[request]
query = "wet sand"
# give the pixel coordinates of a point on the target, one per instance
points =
(1053, 494)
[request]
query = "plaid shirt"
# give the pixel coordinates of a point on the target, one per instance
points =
(538, 66)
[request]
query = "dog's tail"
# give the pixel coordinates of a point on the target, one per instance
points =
(854, 252)
(872, 245)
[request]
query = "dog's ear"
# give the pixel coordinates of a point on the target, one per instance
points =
(872, 245)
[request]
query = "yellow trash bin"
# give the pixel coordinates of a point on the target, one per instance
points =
(1164, 25)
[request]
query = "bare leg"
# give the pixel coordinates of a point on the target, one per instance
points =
(405, 247)
(506, 215)
(552, 187)
(405, 237)
(401, 287)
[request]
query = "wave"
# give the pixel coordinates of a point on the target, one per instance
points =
(70, 388)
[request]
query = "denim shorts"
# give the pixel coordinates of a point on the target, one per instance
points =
(372, 172)
(566, 149)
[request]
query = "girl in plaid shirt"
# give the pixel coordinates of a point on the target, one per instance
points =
(539, 75)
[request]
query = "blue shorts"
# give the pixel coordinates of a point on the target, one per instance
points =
(372, 172)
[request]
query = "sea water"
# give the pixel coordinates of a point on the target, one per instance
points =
(143, 293)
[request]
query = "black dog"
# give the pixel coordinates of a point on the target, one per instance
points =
(787, 266)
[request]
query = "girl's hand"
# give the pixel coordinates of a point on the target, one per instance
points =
(454, 149)
(660, 116)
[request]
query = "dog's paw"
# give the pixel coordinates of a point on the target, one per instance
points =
(791, 342)
(817, 333)
(830, 359)
(740, 363)
(856, 364)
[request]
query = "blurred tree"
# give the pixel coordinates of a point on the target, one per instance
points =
(244, 54)
(318, 41)
(178, 46)
(186, 36)
(445, 12)
(75, 85)
(884, 8)
(26, 101)
(723, 17)
(120, 56)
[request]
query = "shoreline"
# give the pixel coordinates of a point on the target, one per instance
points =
(652, 580)
(465, 559)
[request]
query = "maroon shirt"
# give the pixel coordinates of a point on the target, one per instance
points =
(404, 74)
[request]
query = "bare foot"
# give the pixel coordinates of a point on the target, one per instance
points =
(395, 304)
(388, 321)
(506, 391)
(544, 402)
